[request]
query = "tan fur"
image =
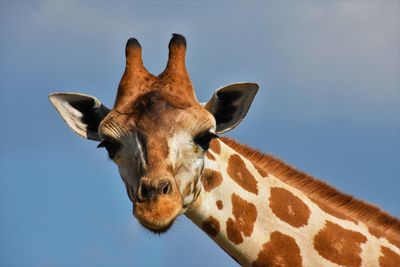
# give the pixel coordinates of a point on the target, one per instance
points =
(382, 223)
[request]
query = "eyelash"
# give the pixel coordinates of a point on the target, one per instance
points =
(204, 139)
(112, 147)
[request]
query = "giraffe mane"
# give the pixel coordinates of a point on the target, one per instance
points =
(379, 223)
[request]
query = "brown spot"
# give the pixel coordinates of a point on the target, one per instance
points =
(219, 204)
(339, 245)
(288, 207)
(245, 215)
(211, 226)
(209, 155)
(332, 211)
(389, 258)
(281, 250)
(211, 179)
(261, 171)
(233, 232)
(215, 146)
(241, 175)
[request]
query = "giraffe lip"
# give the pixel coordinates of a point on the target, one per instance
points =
(158, 214)
(157, 228)
(154, 224)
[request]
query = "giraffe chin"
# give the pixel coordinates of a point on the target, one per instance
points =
(157, 229)
(157, 215)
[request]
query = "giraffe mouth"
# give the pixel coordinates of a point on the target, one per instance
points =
(159, 214)
(157, 229)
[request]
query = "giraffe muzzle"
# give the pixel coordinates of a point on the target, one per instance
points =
(147, 190)
(158, 203)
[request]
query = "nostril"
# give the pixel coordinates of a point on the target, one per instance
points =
(144, 192)
(166, 189)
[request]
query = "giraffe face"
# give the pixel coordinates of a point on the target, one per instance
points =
(157, 133)
(159, 150)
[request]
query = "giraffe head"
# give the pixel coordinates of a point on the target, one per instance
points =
(157, 132)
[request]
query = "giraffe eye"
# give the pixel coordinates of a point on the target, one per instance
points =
(204, 139)
(111, 146)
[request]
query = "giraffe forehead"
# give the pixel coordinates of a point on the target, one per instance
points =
(154, 116)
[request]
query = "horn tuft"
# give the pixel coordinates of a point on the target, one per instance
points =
(133, 50)
(177, 40)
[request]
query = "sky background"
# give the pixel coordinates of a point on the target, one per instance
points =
(329, 104)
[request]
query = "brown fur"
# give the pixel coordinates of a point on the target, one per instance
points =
(173, 84)
(386, 225)
(219, 204)
(233, 232)
(288, 207)
(388, 258)
(245, 215)
(211, 179)
(215, 146)
(280, 251)
(211, 226)
(158, 212)
(339, 245)
(239, 173)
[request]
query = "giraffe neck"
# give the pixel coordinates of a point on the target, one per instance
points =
(260, 220)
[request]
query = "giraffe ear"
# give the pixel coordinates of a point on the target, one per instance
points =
(230, 104)
(83, 113)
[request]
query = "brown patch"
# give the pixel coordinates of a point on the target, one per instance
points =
(233, 232)
(219, 204)
(211, 226)
(261, 171)
(210, 156)
(389, 258)
(245, 215)
(288, 207)
(211, 179)
(241, 175)
(314, 189)
(339, 245)
(281, 250)
(215, 146)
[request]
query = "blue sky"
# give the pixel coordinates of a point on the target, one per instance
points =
(329, 104)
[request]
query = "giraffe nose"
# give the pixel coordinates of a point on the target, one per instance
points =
(149, 189)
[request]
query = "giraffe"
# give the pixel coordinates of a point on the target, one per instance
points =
(258, 209)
